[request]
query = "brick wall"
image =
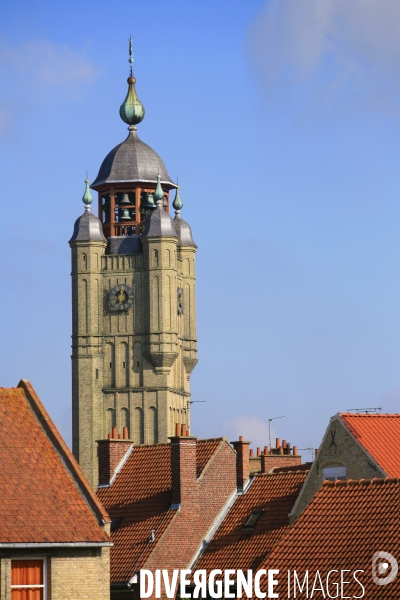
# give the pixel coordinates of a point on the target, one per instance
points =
(110, 453)
(201, 502)
(72, 574)
(271, 461)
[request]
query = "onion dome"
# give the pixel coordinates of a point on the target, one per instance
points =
(132, 160)
(183, 229)
(131, 110)
(177, 203)
(87, 227)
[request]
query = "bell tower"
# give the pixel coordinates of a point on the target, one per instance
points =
(133, 301)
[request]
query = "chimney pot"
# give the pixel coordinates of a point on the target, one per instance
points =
(183, 429)
(187, 432)
(278, 442)
(265, 449)
(251, 453)
(240, 438)
(280, 449)
(114, 433)
(178, 429)
(125, 433)
(284, 443)
(258, 451)
(120, 436)
(295, 452)
(109, 436)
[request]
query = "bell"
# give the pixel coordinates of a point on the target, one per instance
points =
(125, 199)
(148, 202)
(125, 216)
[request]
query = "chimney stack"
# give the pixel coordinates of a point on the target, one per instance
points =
(242, 462)
(183, 469)
(111, 452)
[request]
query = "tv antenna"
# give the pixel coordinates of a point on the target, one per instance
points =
(269, 428)
(364, 410)
(196, 401)
(311, 451)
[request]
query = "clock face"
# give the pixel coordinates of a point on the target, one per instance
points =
(120, 297)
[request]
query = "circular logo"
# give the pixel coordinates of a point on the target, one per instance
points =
(384, 564)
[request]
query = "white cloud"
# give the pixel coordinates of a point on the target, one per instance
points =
(34, 70)
(251, 428)
(341, 54)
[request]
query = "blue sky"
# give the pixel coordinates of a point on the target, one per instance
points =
(281, 119)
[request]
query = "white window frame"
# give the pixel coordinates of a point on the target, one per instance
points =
(334, 473)
(24, 587)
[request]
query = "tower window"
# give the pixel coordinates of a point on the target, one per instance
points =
(110, 365)
(97, 373)
(138, 364)
(124, 365)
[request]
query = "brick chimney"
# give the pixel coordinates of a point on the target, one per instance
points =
(183, 469)
(242, 462)
(111, 452)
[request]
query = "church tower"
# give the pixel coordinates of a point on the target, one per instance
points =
(133, 301)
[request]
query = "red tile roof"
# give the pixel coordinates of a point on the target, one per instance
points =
(380, 436)
(44, 495)
(140, 497)
(342, 528)
(234, 547)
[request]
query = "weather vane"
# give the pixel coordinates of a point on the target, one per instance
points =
(130, 52)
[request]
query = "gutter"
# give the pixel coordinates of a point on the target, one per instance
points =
(55, 544)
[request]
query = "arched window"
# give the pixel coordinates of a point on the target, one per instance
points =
(152, 425)
(110, 420)
(138, 426)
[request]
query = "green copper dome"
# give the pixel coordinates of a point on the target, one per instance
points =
(87, 197)
(177, 203)
(131, 110)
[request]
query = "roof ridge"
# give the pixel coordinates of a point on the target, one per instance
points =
(348, 414)
(64, 452)
(351, 482)
(281, 473)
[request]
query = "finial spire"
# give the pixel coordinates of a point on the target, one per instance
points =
(159, 192)
(177, 203)
(130, 54)
(131, 110)
(87, 197)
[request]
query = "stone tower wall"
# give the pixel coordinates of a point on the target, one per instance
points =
(131, 368)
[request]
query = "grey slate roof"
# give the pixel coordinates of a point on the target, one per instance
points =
(184, 231)
(88, 228)
(159, 224)
(133, 160)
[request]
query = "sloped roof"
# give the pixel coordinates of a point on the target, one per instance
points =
(140, 497)
(380, 435)
(236, 547)
(45, 497)
(345, 524)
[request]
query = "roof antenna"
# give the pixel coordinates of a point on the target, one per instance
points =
(364, 410)
(269, 428)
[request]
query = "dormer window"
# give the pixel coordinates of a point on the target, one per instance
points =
(252, 519)
(334, 473)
